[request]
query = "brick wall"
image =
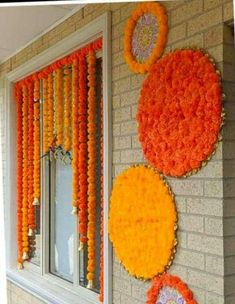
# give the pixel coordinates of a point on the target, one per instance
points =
(205, 256)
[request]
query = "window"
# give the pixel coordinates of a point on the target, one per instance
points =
(54, 245)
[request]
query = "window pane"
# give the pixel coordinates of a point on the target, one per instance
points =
(62, 222)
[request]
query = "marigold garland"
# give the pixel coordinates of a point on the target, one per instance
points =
(75, 137)
(46, 143)
(143, 209)
(25, 240)
(36, 174)
(31, 215)
(59, 107)
(18, 95)
(91, 168)
(67, 109)
(82, 154)
(180, 112)
(173, 283)
(50, 118)
(147, 39)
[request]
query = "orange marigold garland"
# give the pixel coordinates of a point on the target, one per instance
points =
(36, 174)
(31, 211)
(46, 144)
(50, 118)
(82, 154)
(169, 289)
(18, 94)
(59, 107)
(143, 209)
(75, 137)
(101, 278)
(91, 167)
(145, 36)
(67, 109)
(180, 112)
(25, 223)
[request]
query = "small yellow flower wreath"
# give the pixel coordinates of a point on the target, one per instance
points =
(145, 36)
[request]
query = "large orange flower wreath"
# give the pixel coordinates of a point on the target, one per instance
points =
(180, 112)
(169, 289)
(145, 36)
(142, 222)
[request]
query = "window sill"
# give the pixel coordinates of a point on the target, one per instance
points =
(45, 289)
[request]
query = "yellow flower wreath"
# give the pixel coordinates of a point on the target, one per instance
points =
(142, 222)
(145, 32)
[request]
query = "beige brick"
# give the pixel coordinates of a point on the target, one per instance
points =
(119, 169)
(135, 143)
(177, 33)
(191, 223)
(194, 41)
(115, 45)
(199, 295)
(123, 142)
(209, 282)
(204, 21)
(115, 74)
(209, 4)
(117, 58)
(190, 259)
(214, 36)
(129, 127)
(123, 286)
(121, 86)
(139, 292)
(212, 169)
(126, 10)
(179, 270)
(214, 226)
(129, 300)
(116, 102)
(205, 206)
(206, 244)
(216, 53)
(181, 204)
(214, 298)
(228, 11)
(116, 157)
(116, 297)
(116, 17)
(215, 265)
(116, 129)
(137, 81)
(124, 71)
(182, 239)
(186, 11)
(118, 29)
(134, 110)
(187, 187)
(129, 98)
(170, 5)
(122, 114)
(213, 188)
(131, 156)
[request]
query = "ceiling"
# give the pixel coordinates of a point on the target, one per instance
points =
(19, 25)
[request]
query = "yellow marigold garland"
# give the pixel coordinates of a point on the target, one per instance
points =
(59, 107)
(67, 110)
(25, 239)
(50, 118)
(36, 174)
(75, 134)
(31, 215)
(142, 208)
(82, 154)
(18, 93)
(91, 168)
(157, 10)
(46, 144)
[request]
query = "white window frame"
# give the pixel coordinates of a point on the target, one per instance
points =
(34, 279)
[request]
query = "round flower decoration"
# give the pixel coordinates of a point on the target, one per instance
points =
(169, 289)
(145, 36)
(142, 222)
(180, 112)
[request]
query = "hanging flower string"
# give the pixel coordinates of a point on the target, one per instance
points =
(36, 174)
(101, 297)
(82, 154)
(18, 95)
(50, 118)
(25, 176)
(59, 107)
(75, 182)
(67, 110)
(45, 117)
(91, 168)
(31, 216)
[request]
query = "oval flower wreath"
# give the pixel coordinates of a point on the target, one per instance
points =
(142, 222)
(169, 289)
(180, 112)
(145, 36)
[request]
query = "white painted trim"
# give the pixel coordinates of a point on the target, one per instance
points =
(98, 27)
(69, 14)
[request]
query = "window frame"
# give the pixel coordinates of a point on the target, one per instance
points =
(30, 277)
